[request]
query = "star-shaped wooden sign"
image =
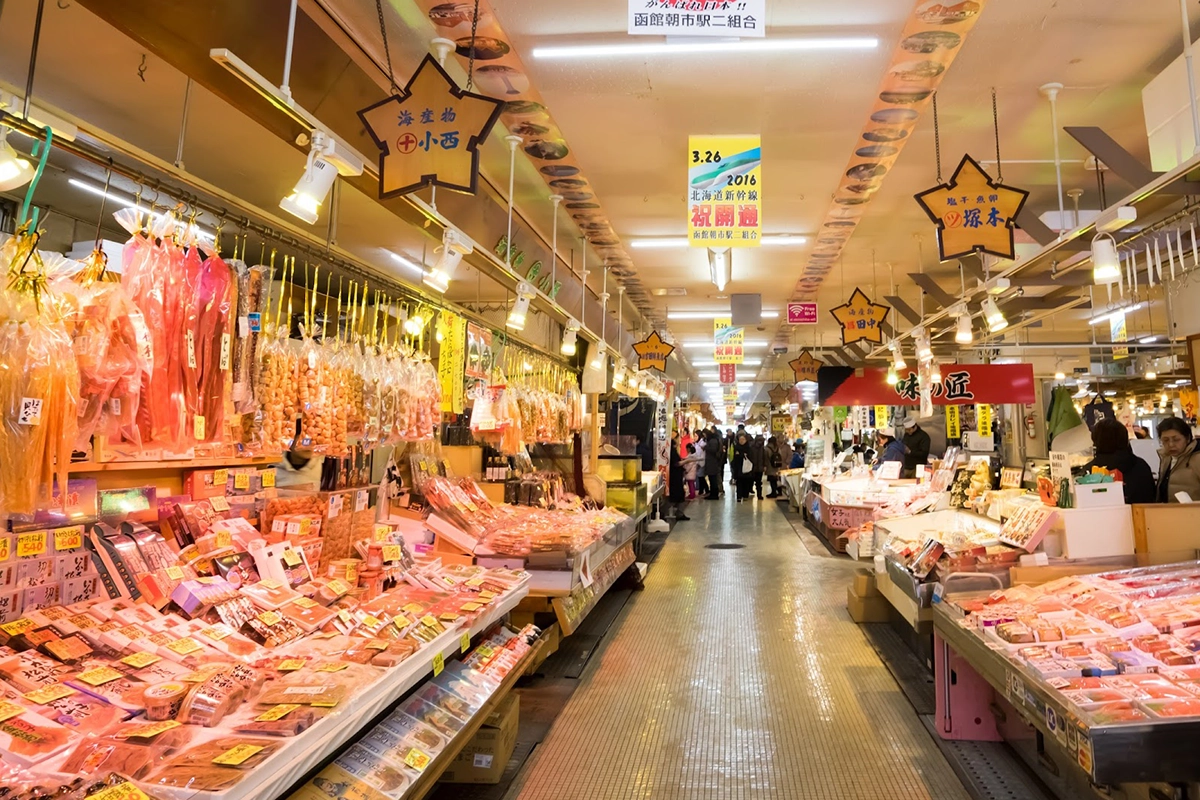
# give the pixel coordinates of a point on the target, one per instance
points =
(804, 367)
(430, 133)
(778, 395)
(653, 352)
(973, 213)
(861, 319)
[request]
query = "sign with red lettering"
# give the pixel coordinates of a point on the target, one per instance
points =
(973, 213)
(963, 384)
(727, 373)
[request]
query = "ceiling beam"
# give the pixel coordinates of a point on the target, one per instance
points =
(1029, 222)
(932, 289)
(1122, 163)
(973, 264)
(1069, 279)
(904, 309)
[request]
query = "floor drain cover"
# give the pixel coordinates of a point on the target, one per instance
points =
(724, 546)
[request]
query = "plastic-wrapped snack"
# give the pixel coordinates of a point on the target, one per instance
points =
(214, 766)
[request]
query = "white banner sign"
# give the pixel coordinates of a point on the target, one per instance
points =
(725, 18)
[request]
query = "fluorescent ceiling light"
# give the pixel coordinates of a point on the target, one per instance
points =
(1107, 315)
(408, 263)
(1148, 339)
(749, 362)
(121, 201)
(709, 343)
(707, 48)
(711, 314)
(778, 240)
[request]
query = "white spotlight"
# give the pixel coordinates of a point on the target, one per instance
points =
(897, 357)
(520, 309)
(325, 161)
(570, 338)
(1106, 266)
(14, 170)
(454, 247)
(992, 315)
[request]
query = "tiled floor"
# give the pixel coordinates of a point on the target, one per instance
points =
(737, 674)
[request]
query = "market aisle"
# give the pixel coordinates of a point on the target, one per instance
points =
(737, 674)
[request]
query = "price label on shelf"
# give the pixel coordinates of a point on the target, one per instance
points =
(305, 602)
(277, 712)
(185, 646)
(241, 480)
(99, 676)
(220, 477)
(217, 632)
(238, 754)
(345, 617)
(338, 587)
(439, 664)
(5, 547)
(392, 552)
(470, 607)
(377, 644)
(140, 660)
(225, 342)
(428, 621)
(219, 503)
(154, 729)
(175, 573)
(417, 759)
(68, 538)
(254, 319)
(268, 478)
(8, 710)
(291, 664)
(332, 666)
(198, 427)
(291, 558)
(270, 618)
(224, 539)
(31, 411)
(48, 694)
(383, 533)
(31, 544)
(464, 643)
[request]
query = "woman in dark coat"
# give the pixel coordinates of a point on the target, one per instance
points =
(743, 456)
(714, 465)
(675, 494)
(1113, 452)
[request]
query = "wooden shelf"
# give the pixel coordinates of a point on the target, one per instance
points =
(233, 462)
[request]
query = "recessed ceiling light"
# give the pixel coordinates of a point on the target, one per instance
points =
(706, 48)
(660, 242)
(711, 314)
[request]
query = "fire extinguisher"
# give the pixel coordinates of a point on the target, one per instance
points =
(1030, 429)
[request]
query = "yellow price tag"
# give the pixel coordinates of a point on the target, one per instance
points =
(270, 618)
(99, 676)
(198, 427)
(417, 759)
(241, 480)
(238, 754)
(449, 616)
(268, 478)
(429, 621)
(217, 632)
(377, 644)
(371, 621)
(383, 533)
(185, 646)
(439, 664)
(140, 660)
(219, 503)
(291, 558)
(68, 538)
(224, 539)
(306, 602)
(133, 632)
(352, 574)
(475, 582)
(464, 643)
(332, 666)
(122, 791)
(154, 729)
(291, 664)
(175, 573)
(277, 712)
(470, 607)
(345, 617)
(338, 587)
(9, 710)
(414, 608)
(5, 547)
(220, 478)
(31, 544)
(271, 583)
(486, 595)
(401, 621)
(48, 694)
(392, 552)
(17, 626)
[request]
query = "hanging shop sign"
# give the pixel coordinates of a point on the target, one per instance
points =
(1119, 332)
(805, 366)
(861, 319)
(745, 18)
(973, 213)
(452, 361)
(729, 394)
(728, 342)
(882, 417)
(802, 313)
(953, 422)
(430, 133)
(779, 395)
(724, 191)
(983, 419)
(779, 423)
(727, 373)
(964, 384)
(653, 352)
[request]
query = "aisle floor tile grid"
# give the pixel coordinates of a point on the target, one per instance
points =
(738, 674)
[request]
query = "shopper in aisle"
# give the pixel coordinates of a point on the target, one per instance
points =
(691, 465)
(1179, 468)
(643, 449)
(916, 447)
(773, 463)
(1111, 440)
(798, 451)
(675, 494)
(300, 467)
(714, 464)
(743, 466)
(758, 458)
(888, 449)
(701, 445)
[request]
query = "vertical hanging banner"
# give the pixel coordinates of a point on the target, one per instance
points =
(953, 422)
(724, 191)
(727, 373)
(983, 419)
(728, 342)
(1120, 333)
(452, 362)
(745, 18)
(882, 417)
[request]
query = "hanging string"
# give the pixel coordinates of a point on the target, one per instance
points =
(471, 57)
(996, 130)
(937, 140)
(387, 51)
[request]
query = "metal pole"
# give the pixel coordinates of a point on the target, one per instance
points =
(33, 51)
(1191, 75)
(1051, 90)
(513, 141)
(187, 96)
(285, 87)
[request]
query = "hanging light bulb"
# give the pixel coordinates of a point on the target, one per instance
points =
(14, 170)
(963, 334)
(892, 378)
(992, 316)
(1060, 376)
(935, 373)
(598, 358)
(570, 338)
(1151, 375)
(414, 325)
(1106, 266)
(325, 161)
(520, 309)
(897, 357)
(454, 247)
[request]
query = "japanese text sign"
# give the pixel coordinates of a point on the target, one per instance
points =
(727, 373)
(1119, 332)
(983, 419)
(728, 342)
(802, 313)
(724, 191)
(962, 384)
(430, 133)
(805, 366)
(652, 352)
(726, 18)
(973, 213)
(779, 395)
(953, 423)
(861, 319)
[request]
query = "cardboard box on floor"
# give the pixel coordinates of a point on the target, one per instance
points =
(864, 583)
(866, 609)
(484, 758)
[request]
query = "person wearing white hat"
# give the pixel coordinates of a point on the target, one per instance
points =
(916, 447)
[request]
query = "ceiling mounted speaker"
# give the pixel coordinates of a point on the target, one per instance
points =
(745, 309)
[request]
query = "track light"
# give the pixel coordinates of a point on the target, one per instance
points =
(570, 338)
(892, 378)
(720, 267)
(414, 325)
(450, 255)
(325, 161)
(1151, 375)
(897, 357)
(963, 333)
(992, 316)
(935, 373)
(1106, 266)
(599, 357)
(520, 309)
(1060, 376)
(14, 170)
